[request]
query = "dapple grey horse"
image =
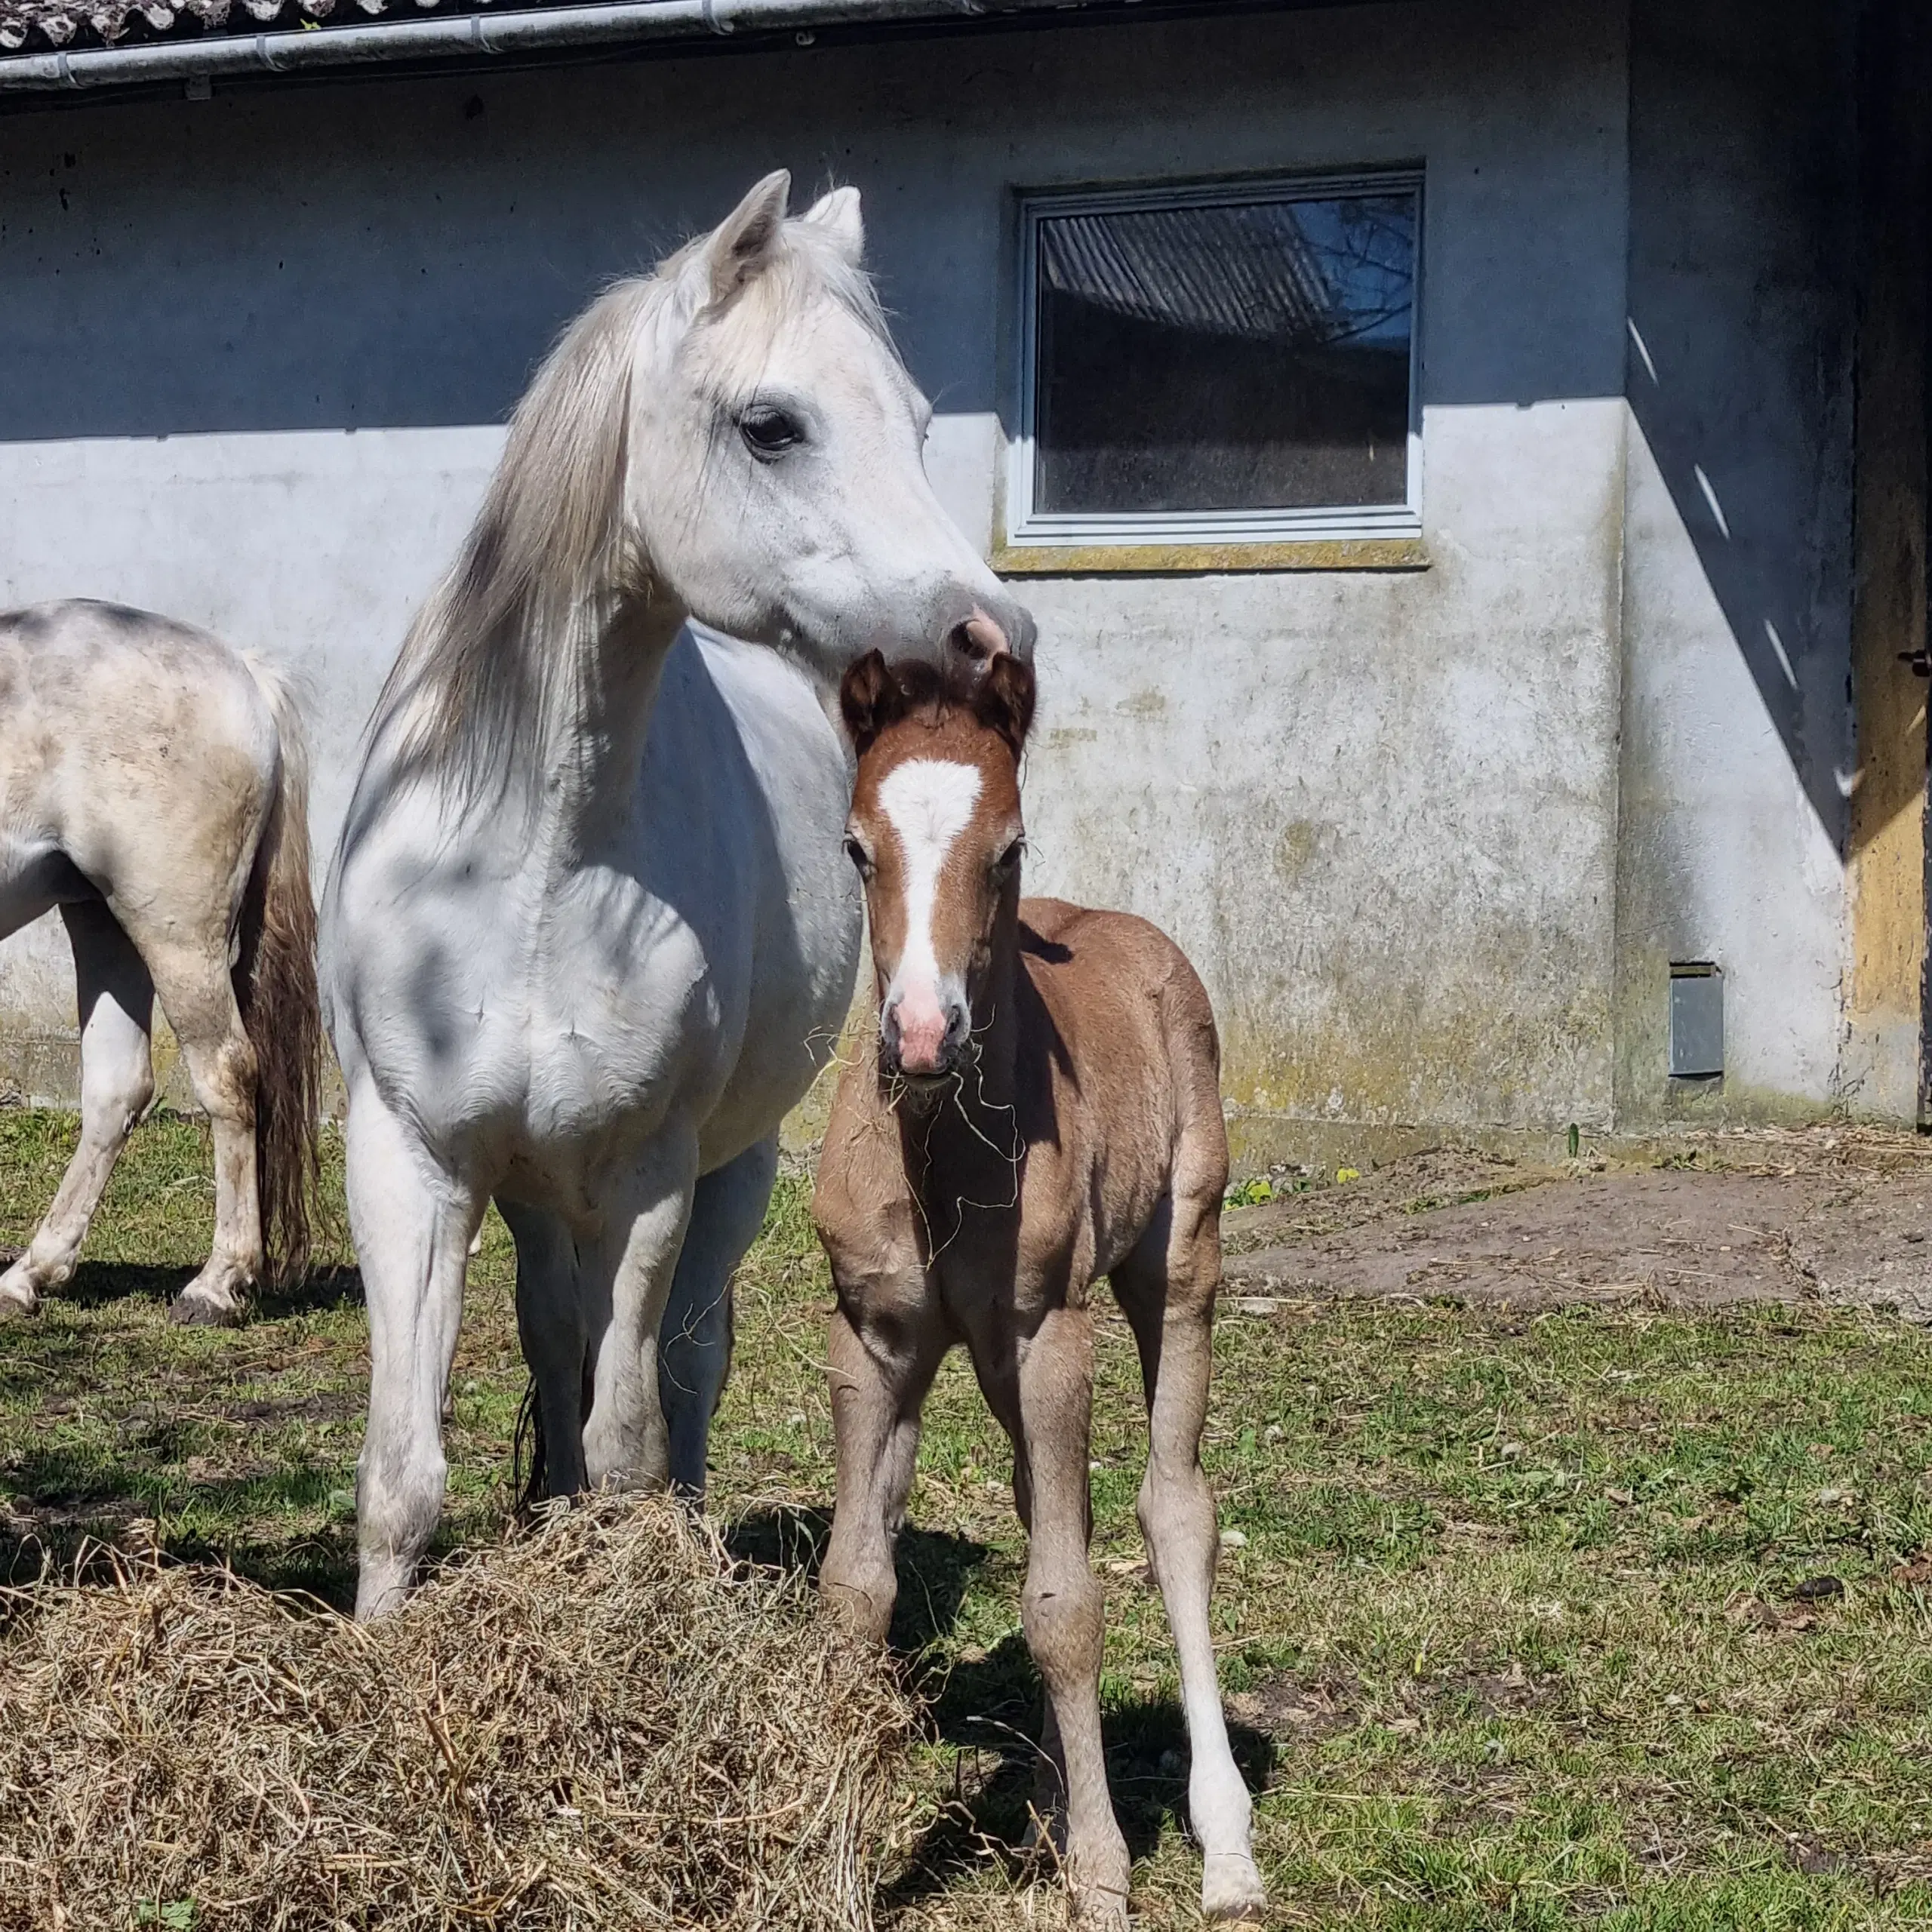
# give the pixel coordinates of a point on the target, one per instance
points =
(154, 785)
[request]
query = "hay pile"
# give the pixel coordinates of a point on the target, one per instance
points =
(599, 1725)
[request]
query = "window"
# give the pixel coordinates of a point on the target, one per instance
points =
(1220, 363)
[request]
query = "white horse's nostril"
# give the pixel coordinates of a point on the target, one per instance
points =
(980, 638)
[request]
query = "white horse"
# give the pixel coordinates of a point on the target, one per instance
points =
(590, 933)
(154, 787)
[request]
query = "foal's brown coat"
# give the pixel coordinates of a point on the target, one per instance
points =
(1076, 1133)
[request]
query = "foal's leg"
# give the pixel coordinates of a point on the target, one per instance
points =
(883, 1356)
(198, 995)
(626, 1275)
(117, 1082)
(413, 1223)
(550, 1322)
(1046, 1386)
(694, 1339)
(1167, 1287)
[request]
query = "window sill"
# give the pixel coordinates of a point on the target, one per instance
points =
(1334, 553)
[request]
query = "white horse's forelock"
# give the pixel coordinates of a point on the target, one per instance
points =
(497, 653)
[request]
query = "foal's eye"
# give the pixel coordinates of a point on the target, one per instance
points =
(769, 432)
(1008, 861)
(860, 858)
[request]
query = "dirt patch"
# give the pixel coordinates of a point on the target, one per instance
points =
(1500, 1691)
(1443, 1177)
(1836, 1216)
(1285, 1708)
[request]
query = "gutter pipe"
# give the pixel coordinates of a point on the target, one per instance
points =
(455, 37)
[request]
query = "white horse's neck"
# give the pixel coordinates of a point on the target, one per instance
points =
(592, 744)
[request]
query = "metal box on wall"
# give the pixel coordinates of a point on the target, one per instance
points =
(1696, 1020)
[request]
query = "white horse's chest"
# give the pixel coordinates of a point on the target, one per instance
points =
(595, 1004)
(541, 1016)
(621, 988)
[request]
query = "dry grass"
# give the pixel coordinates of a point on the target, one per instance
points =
(604, 1723)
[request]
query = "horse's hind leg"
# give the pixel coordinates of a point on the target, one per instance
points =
(116, 1001)
(550, 1322)
(1166, 1287)
(413, 1223)
(197, 996)
(694, 1338)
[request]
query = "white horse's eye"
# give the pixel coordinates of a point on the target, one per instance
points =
(769, 432)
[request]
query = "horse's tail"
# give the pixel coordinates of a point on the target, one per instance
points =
(274, 987)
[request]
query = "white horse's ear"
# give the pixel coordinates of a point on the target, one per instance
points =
(739, 248)
(838, 213)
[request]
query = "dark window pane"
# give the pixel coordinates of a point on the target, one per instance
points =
(1249, 356)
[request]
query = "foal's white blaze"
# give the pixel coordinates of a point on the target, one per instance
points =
(928, 802)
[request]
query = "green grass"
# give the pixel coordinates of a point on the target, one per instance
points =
(1513, 1637)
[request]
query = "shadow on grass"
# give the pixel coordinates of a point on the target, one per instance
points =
(988, 1708)
(70, 1514)
(98, 1283)
(95, 1284)
(321, 1289)
(935, 1570)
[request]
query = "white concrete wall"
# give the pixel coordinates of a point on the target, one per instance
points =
(254, 349)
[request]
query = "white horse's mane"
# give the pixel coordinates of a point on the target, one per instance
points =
(497, 652)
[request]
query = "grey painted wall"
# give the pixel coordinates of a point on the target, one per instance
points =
(255, 349)
(1737, 721)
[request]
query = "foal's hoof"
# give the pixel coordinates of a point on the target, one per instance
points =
(194, 1310)
(18, 1303)
(1231, 1891)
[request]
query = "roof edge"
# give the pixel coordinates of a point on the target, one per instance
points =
(522, 32)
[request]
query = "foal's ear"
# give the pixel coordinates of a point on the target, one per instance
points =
(1004, 700)
(838, 214)
(870, 699)
(740, 247)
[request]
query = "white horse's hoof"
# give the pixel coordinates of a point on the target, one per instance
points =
(1099, 1909)
(1231, 1887)
(194, 1310)
(18, 1295)
(381, 1590)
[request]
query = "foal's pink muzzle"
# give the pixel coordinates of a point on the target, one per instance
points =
(921, 1036)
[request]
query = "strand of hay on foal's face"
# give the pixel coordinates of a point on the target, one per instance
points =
(600, 1725)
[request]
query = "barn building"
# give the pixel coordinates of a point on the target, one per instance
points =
(1467, 457)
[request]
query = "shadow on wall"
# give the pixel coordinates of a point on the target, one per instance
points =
(1741, 339)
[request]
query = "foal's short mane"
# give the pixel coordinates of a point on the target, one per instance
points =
(933, 692)
(500, 648)
(997, 693)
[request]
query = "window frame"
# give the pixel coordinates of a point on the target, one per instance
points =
(1377, 536)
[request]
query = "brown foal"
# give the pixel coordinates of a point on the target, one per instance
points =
(1044, 1108)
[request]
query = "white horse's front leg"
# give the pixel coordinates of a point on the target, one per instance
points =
(627, 1282)
(412, 1222)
